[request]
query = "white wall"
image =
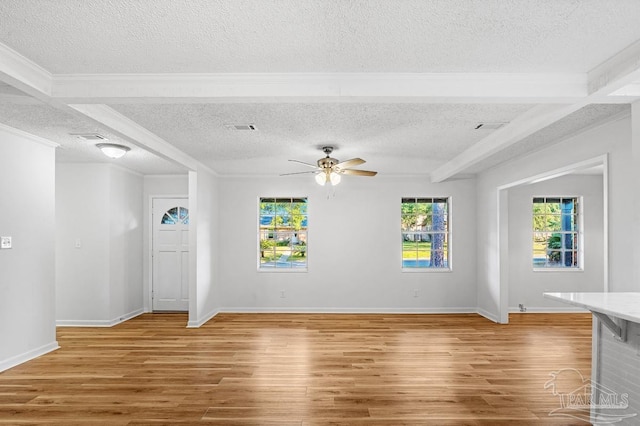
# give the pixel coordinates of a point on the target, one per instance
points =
(204, 261)
(526, 286)
(82, 215)
(125, 256)
(27, 291)
(156, 186)
(614, 139)
(100, 282)
(354, 248)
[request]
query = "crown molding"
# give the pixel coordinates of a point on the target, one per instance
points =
(22, 134)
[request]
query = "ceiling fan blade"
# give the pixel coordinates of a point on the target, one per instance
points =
(299, 173)
(358, 172)
(350, 163)
(315, 166)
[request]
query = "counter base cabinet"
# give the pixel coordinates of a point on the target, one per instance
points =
(616, 376)
(612, 396)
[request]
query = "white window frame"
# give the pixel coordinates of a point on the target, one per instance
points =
(286, 270)
(449, 233)
(580, 234)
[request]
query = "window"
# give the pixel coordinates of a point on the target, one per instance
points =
(425, 233)
(283, 234)
(555, 232)
(176, 215)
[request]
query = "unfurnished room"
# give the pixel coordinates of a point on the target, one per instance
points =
(325, 212)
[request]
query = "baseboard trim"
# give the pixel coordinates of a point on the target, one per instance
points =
(99, 323)
(281, 310)
(488, 315)
(199, 323)
(28, 356)
(547, 310)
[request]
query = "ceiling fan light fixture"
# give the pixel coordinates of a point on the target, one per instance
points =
(113, 150)
(321, 179)
(330, 170)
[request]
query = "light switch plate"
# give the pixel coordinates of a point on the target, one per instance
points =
(5, 242)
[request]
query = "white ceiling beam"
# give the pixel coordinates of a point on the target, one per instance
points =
(24, 74)
(27, 76)
(616, 72)
(140, 136)
(619, 71)
(526, 124)
(331, 87)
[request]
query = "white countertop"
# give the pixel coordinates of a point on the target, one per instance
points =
(621, 305)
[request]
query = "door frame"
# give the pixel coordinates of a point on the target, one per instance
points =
(502, 316)
(149, 289)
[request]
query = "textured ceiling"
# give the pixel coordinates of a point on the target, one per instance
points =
(32, 116)
(572, 124)
(556, 42)
(168, 36)
(407, 138)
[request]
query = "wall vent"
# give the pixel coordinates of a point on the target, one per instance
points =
(250, 127)
(488, 126)
(92, 137)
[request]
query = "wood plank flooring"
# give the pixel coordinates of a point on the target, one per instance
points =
(301, 369)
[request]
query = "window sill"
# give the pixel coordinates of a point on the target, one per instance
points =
(558, 269)
(425, 270)
(283, 270)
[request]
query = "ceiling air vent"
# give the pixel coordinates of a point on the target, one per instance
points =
(250, 127)
(91, 137)
(489, 126)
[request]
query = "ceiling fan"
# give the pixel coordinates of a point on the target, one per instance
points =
(329, 169)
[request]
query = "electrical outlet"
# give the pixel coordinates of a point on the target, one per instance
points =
(415, 293)
(281, 294)
(78, 243)
(5, 242)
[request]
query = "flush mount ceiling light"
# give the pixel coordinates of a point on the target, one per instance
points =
(113, 150)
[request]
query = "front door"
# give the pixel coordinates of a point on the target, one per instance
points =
(170, 281)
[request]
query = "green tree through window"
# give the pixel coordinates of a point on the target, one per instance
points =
(425, 232)
(283, 233)
(555, 232)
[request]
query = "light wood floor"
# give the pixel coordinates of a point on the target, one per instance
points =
(295, 369)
